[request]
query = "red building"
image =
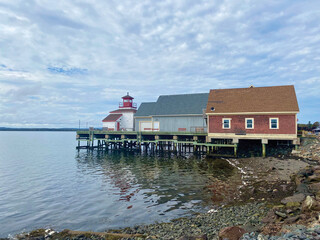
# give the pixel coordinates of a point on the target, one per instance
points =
(259, 113)
(122, 118)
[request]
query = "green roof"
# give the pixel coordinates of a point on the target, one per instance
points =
(146, 109)
(183, 104)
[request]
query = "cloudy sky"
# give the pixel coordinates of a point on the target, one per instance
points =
(68, 60)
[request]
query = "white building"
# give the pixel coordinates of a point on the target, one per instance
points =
(122, 118)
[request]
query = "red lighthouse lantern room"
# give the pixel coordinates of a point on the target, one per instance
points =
(127, 102)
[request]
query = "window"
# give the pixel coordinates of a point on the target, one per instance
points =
(226, 123)
(249, 123)
(274, 123)
(156, 126)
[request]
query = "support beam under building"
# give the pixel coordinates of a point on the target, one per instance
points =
(263, 150)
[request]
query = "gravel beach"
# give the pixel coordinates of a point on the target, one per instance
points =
(249, 216)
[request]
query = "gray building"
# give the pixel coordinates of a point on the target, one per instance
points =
(173, 113)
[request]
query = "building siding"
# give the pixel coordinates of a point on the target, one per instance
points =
(287, 124)
(110, 125)
(137, 122)
(174, 123)
(127, 121)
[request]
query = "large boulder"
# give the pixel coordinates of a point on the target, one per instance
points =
(310, 204)
(299, 197)
(231, 233)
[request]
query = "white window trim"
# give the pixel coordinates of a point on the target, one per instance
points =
(153, 128)
(270, 119)
(247, 124)
(223, 123)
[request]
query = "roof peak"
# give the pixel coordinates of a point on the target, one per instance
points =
(252, 87)
(182, 94)
(127, 96)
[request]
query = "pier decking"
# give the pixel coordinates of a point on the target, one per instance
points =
(154, 141)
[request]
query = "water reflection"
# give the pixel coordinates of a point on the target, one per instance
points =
(169, 181)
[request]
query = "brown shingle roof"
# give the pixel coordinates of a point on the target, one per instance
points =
(255, 99)
(112, 118)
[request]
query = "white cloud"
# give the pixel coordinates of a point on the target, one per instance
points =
(99, 50)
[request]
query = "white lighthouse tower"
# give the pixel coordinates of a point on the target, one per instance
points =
(122, 118)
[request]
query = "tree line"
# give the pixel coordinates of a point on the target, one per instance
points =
(309, 126)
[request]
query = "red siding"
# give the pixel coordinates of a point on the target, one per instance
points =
(287, 124)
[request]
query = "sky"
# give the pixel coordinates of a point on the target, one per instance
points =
(68, 60)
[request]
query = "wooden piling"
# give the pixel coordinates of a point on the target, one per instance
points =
(263, 150)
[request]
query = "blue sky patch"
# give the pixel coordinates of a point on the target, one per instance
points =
(68, 71)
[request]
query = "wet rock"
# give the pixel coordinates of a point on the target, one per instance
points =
(310, 204)
(295, 198)
(231, 233)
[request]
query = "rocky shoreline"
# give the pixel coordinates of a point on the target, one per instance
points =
(205, 226)
(285, 204)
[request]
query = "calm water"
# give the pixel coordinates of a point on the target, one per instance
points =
(46, 182)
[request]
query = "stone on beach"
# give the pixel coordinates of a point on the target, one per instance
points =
(295, 198)
(310, 204)
(231, 233)
(281, 214)
(314, 178)
(314, 187)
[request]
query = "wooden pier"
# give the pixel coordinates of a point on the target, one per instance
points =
(151, 141)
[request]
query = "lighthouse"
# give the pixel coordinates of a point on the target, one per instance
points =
(122, 118)
(127, 102)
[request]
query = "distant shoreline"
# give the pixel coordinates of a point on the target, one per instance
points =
(42, 129)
